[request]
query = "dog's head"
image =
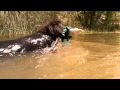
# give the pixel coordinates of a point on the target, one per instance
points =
(55, 28)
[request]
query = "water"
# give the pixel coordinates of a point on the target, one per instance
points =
(88, 56)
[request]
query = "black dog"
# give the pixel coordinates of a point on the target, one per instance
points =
(45, 37)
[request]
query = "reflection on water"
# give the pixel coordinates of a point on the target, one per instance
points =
(105, 38)
(87, 56)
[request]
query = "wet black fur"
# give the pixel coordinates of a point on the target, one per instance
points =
(53, 30)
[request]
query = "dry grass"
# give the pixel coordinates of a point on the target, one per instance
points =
(26, 22)
(22, 22)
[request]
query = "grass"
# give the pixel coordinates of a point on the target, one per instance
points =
(26, 22)
(22, 22)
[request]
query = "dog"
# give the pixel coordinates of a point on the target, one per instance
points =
(45, 37)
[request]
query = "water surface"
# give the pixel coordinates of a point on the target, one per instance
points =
(88, 56)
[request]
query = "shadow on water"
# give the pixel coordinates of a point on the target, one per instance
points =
(87, 56)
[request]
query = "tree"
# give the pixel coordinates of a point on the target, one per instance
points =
(98, 20)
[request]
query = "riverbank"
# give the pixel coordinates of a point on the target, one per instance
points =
(86, 31)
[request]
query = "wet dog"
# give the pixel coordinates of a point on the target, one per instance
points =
(45, 37)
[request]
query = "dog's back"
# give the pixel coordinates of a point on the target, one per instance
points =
(45, 37)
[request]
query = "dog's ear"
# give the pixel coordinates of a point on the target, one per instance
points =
(50, 27)
(57, 29)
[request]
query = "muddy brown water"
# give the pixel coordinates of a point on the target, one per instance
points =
(87, 56)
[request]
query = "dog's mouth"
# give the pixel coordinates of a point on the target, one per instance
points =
(66, 34)
(63, 32)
